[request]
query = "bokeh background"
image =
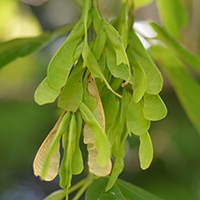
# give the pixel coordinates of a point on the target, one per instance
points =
(175, 171)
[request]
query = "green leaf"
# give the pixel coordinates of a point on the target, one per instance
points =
(153, 75)
(117, 43)
(11, 50)
(145, 151)
(45, 94)
(119, 162)
(57, 195)
(181, 52)
(136, 122)
(173, 15)
(154, 107)
(141, 3)
(69, 142)
(20, 47)
(186, 87)
(77, 161)
(122, 190)
(140, 80)
(118, 71)
(72, 93)
(61, 64)
(94, 68)
(99, 43)
(100, 139)
(123, 24)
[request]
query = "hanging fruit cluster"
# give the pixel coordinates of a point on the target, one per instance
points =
(108, 87)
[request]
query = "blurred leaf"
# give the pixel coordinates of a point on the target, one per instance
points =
(173, 15)
(122, 190)
(182, 53)
(141, 3)
(20, 47)
(10, 50)
(185, 86)
(56, 195)
(145, 151)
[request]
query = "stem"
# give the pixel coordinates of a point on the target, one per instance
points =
(78, 185)
(82, 190)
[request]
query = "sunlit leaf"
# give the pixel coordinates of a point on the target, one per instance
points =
(153, 75)
(45, 93)
(181, 52)
(145, 151)
(57, 195)
(185, 86)
(173, 15)
(121, 190)
(154, 107)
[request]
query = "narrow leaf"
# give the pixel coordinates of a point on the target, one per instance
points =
(118, 164)
(77, 161)
(20, 47)
(181, 52)
(186, 87)
(11, 50)
(173, 15)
